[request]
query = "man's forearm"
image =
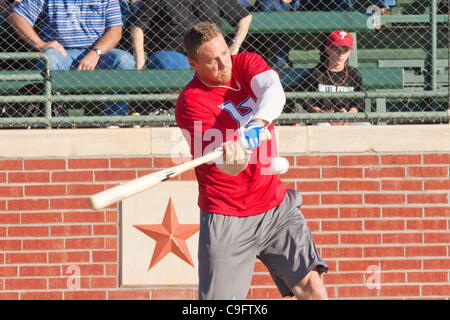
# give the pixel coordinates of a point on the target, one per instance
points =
(242, 29)
(110, 39)
(137, 37)
(26, 31)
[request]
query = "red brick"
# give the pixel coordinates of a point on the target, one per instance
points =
(384, 172)
(337, 172)
(259, 267)
(311, 199)
(401, 212)
(85, 295)
(436, 264)
(437, 212)
(435, 171)
(264, 293)
(436, 158)
(408, 185)
(310, 161)
(69, 203)
(426, 251)
(22, 284)
(41, 217)
(424, 224)
(87, 269)
(3, 231)
(131, 163)
(320, 213)
(85, 243)
(73, 176)
(343, 278)
(325, 238)
(400, 264)
(2, 205)
(399, 290)
(10, 165)
(437, 184)
(84, 189)
(43, 244)
(341, 225)
(9, 218)
(384, 198)
(382, 252)
(88, 163)
(392, 277)
(28, 231)
(9, 295)
(70, 230)
(111, 216)
(41, 295)
(341, 198)
(66, 283)
(10, 245)
(45, 164)
(341, 252)
(359, 185)
(314, 226)
(103, 282)
(262, 279)
(141, 173)
(40, 271)
(384, 224)
(428, 198)
(436, 290)
(129, 294)
(428, 276)
(28, 204)
(115, 175)
(169, 162)
(401, 159)
(356, 291)
(401, 238)
(45, 190)
(105, 229)
(172, 294)
(8, 271)
(360, 238)
(437, 237)
(111, 269)
(300, 173)
(69, 256)
(359, 160)
(2, 177)
(11, 191)
(357, 265)
(28, 177)
(309, 186)
(188, 175)
(358, 212)
(26, 257)
(104, 256)
(80, 216)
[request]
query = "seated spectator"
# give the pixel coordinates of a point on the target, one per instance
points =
(6, 6)
(79, 35)
(333, 74)
(320, 5)
(385, 5)
(165, 22)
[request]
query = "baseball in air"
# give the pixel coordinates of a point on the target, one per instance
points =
(279, 165)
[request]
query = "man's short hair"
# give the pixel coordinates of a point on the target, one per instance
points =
(198, 35)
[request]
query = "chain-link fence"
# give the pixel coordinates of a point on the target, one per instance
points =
(387, 63)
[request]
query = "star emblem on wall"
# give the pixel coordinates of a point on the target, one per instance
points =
(170, 236)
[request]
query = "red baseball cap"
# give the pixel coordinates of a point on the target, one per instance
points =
(340, 38)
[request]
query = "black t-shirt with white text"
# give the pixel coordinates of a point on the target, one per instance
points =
(322, 80)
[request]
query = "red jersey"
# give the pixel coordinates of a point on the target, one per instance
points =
(210, 115)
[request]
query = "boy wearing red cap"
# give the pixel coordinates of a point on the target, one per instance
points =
(333, 74)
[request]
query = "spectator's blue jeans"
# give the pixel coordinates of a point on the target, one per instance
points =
(167, 60)
(112, 59)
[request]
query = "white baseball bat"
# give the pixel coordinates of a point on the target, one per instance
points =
(105, 198)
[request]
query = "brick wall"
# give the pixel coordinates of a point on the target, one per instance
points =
(373, 216)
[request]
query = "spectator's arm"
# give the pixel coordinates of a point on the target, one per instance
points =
(137, 37)
(108, 41)
(241, 33)
(26, 31)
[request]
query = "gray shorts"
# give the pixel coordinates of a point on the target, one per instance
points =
(228, 247)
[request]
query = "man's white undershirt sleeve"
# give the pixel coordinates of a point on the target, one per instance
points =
(270, 95)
